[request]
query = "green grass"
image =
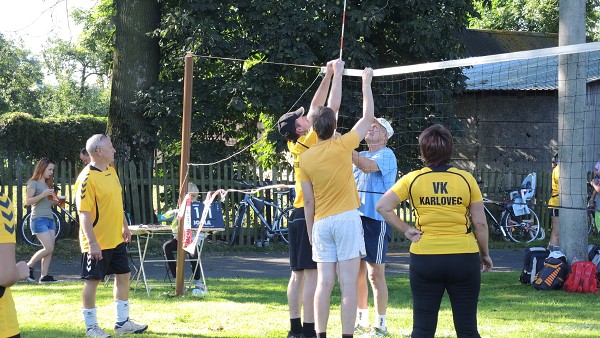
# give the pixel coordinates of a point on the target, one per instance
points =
(258, 308)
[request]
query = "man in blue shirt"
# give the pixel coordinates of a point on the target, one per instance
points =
(375, 172)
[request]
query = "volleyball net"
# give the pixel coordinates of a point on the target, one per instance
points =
(509, 114)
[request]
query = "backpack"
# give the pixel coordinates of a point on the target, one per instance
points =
(553, 274)
(582, 278)
(532, 263)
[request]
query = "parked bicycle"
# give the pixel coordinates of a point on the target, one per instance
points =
(276, 226)
(520, 229)
(63, 217)
(517, 222)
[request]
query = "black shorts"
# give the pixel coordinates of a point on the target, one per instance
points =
(114, 261)
(377, 235)
(300, 248)
(553, 212)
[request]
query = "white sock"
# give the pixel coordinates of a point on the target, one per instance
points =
(89, 317)
(122, 310)
(381, 322)
(362, 317)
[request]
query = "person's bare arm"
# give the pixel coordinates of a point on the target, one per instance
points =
(362, 126)
(10, 271)
(321, 94)
(364, 164)
(309, 208)
(482, 234)
(335, 95)
(85, 219)
(31, 200)
(386, 207)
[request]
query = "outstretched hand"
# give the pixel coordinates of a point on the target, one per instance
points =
(338, 67)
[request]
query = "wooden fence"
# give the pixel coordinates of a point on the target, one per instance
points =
(151, 188)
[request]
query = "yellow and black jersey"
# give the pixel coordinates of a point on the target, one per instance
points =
(296, 149)
(99, 193)
(9, 326)
(440, 198)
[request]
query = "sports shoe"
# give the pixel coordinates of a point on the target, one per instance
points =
(377, 332)
(47, 279)
(198, 285)
(31, 277)
(130, 327)
(97, 332)
(360, 330)
(294, 335)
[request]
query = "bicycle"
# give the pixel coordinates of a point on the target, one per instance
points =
(58, 213)
(516, 228)
(281, 216)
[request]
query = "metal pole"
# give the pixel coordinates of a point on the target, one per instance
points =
(185, 158)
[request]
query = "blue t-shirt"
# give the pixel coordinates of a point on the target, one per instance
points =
(372, 186)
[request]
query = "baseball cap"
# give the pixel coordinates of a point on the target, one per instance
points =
(286, 125)
(387, 126)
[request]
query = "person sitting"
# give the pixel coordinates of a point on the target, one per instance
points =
(170, 246)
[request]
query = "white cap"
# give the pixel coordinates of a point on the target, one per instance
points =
(387, 126)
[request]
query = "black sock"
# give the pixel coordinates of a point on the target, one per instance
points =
(295, 325)
(348, 335)
(322, 334)
(308, 330)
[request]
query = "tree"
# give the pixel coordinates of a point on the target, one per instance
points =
(135, 69)
(529, 16)
(232, 98)
(20, 78)
(80, 81)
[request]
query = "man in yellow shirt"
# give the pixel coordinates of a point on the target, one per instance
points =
(10, 271)
(301, 136)
(331, 208)
(102, 236)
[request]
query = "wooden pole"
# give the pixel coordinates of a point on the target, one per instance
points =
(185, 158)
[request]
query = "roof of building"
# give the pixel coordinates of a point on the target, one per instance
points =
(528, 74)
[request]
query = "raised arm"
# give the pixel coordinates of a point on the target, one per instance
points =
(321, 94)
(335, 95)
(363, 125)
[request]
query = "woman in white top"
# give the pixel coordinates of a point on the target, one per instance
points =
(41, 198)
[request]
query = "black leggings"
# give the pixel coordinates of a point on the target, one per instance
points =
(430, 276)
(171, 246)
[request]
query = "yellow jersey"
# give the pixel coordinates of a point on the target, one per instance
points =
(440, 198)
(296, 149)
(328, 167)
(9, 326)
(553, 201)
(100, 194)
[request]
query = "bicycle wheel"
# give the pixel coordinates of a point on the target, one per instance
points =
(524, 228)
(30, 238)
(240, 215)
(281, 228)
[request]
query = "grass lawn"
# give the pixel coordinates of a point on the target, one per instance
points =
(258, 308)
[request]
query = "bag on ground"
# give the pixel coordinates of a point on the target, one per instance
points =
(553, 274)
(582, 278)
(532, 263)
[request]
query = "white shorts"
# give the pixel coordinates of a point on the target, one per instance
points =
(338, 238)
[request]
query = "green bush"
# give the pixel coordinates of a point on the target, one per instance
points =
(59, 138)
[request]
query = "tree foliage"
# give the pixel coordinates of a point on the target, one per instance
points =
(232, 98)
(20, 78)
(529, 16)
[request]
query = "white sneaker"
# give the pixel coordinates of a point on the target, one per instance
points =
(97, 332)
(130, 327)
(198, 284)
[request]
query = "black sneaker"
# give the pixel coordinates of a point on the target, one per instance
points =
(47, 279)
(31, 277)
